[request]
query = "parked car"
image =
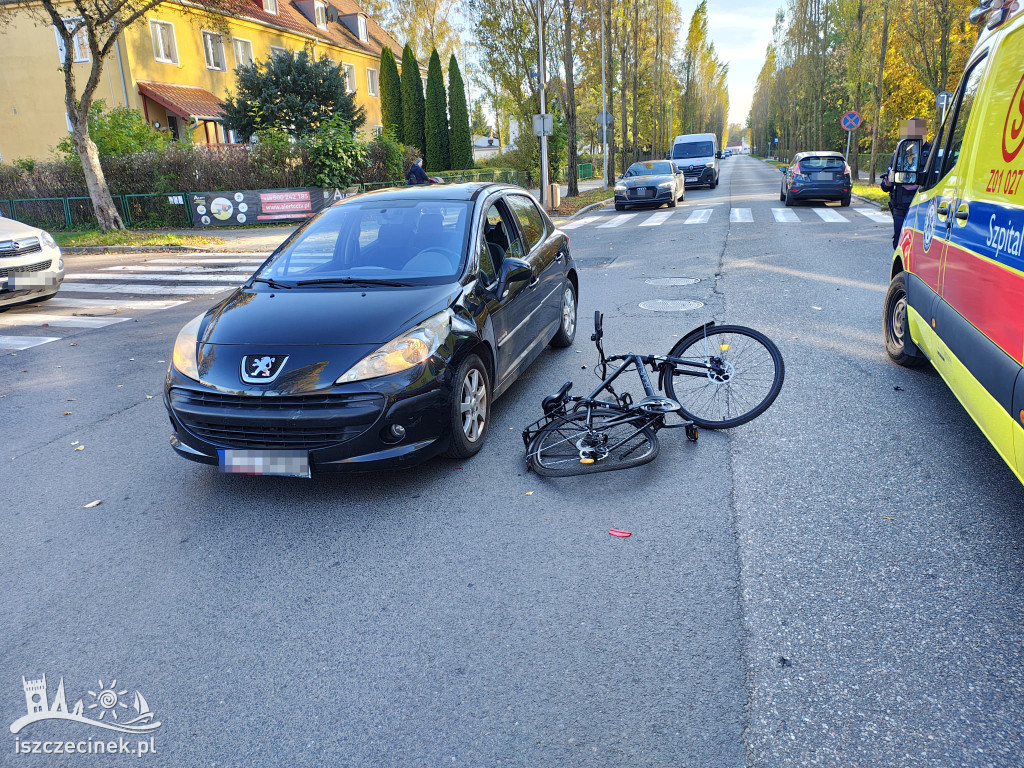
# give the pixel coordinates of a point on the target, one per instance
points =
(656, 182)
(377, 335)
(957, 277)
(697, 155)
(816, 176)
(31, 266)
(726, 153)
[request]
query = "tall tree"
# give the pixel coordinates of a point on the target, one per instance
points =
(391, 95)
(413, 105)
(296, 93)
(100, 23)
(570, 100)
(438, 157)
(461, 139)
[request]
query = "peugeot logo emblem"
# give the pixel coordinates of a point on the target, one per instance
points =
(262, 369)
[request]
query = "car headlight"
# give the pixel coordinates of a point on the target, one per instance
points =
(620, 187)
(710, 165)
(666, 185)
(400, 354)
(184, 356)
(48, 240)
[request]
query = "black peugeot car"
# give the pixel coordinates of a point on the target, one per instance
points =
(816, 176)
(377, 335)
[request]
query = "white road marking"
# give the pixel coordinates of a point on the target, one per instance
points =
(204, 255)
(616, 221)
(61, 321)
(737, 215)
(75, 303)
(24, 342)
(832, 217)
(785, 216)
(700, 216)
(876, 216)
(580, 222)
(657, 219)
(181, 270)
(169, 277)
(206, 261)
(149, 290)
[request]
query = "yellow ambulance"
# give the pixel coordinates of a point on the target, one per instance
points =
(956, 296)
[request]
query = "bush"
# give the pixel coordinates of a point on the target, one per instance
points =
(384, 160)
(116, 133)
(336, 157)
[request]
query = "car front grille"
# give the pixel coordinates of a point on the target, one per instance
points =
(40, 267)
(19, 247)
(301, 422)
(642, 192)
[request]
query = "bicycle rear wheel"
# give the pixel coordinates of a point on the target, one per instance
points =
(744, 376)
(562, 447)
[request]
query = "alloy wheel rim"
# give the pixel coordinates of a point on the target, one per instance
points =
(473, 405)
(568, 312)
(899, 314)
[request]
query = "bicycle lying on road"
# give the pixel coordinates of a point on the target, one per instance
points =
(715, 377)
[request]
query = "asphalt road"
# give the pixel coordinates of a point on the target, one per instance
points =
(837, 583)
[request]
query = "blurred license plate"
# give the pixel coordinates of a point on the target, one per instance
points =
(823, 176)
(281, 463)
(690, 178)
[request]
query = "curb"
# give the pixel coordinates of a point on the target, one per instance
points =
(91, 250)
(587, 209)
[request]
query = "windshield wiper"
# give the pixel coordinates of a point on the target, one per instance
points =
(271, 282)
(352, 281)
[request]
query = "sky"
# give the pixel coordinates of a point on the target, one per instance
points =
(741, 31)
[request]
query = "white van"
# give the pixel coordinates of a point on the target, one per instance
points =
(697, 156)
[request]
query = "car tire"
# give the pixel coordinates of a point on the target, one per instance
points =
(789, 199)
(568, 315)
(672, 203)
(898, 344)
(619, 207)
(470, 385)
(713, 183)
(845, 201)
(782, 194)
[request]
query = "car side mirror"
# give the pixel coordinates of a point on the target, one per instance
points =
(718, 155)
(782, 168)
(907, 167)
(512, 271)
(622, 176)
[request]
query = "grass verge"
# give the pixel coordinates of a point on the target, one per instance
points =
(569, 205)
(874, 194)
(94, 239)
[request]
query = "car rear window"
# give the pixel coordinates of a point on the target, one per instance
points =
(822, 164)
(530, 222)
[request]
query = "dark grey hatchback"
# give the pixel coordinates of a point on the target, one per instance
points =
(816, 176)
(376, 336)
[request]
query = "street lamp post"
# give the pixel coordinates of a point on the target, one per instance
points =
(543, 106)
(604, 104)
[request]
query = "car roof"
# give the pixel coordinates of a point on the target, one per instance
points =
(467, 191)
(816, 153)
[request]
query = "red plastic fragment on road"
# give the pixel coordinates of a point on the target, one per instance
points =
(620, 534)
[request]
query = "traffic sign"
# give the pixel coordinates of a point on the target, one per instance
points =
(942, 101)
(604, 119)
(850, 121)
(543, 125)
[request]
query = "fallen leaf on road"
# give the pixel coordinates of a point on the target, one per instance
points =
(92, 504)
(817, 308)
(888, 518)
(528, 493)
(898, 389)
(45, 325)
(80, 448)
(120, 385)
(75, 443)
(66, 413)
(149, 397)
(73, 344)
(620, 534)
(72, 399)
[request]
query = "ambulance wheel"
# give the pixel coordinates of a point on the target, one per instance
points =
(896, 331)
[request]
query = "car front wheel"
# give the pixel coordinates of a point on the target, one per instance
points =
(567, 325)
(470, 408)
(898, 344)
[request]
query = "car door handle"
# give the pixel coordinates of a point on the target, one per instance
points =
(962, 212)
(535, 282)
(943, 208)
(558, 256)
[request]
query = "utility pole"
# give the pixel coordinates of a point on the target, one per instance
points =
(604, 104)
(543, 106)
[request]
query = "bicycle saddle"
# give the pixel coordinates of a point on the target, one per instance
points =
(658, 404)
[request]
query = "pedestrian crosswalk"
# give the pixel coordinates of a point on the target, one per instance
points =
(108, 296)
(710, 215)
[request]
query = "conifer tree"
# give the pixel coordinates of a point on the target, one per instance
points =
(413, 106)
(436, 124)
(461, 138)
(391, 95)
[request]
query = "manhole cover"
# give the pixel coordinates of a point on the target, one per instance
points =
(669, 305)
(672, 280)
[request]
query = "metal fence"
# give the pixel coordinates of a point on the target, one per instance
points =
(173, 210)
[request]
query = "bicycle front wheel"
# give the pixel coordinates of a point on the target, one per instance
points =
(568, 446)
(743, 376)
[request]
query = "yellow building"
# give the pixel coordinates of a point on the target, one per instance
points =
(175, 65)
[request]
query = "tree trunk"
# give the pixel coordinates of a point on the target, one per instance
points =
(107, 215)
(570, 103)
(879, 83)
(610, 90)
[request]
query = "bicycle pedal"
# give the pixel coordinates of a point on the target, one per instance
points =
(691, 433)
(586, 461)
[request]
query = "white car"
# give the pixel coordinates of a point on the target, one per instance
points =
(31, 266)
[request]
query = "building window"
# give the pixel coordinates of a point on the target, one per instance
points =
(371, 82)
(243, 52)
(350, 77)
(270, 6)
(320, 11)
(164, 48)
(213, 46)
(79, 41)
(362, 29)
(378, 131)
(278, 51)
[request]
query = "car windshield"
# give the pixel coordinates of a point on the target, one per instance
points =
(389, 240)
(822, 163)
(658, 168)
(692, 149)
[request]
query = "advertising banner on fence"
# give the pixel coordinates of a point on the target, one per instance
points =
(261, 206)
